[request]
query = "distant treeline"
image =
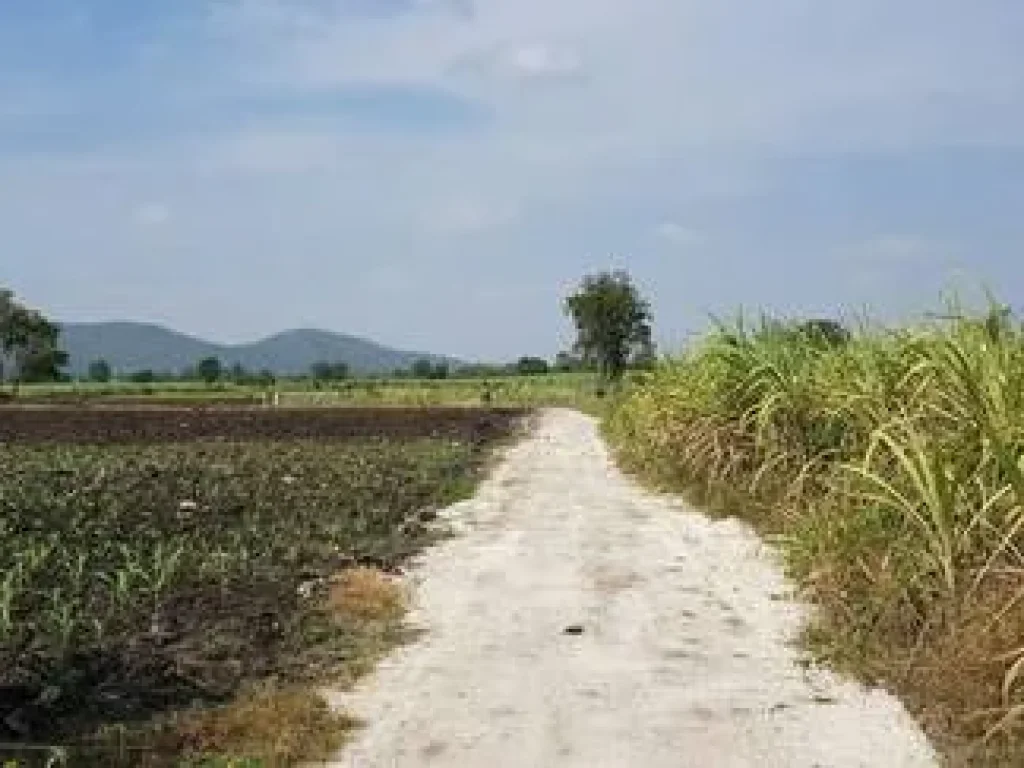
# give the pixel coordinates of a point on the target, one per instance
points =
(212, 370)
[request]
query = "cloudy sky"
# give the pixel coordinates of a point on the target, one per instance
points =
(436, 174)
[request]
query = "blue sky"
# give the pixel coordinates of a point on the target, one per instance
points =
(436, 174)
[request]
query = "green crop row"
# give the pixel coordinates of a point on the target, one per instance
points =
(135, 581)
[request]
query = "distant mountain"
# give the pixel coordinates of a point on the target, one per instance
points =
(130, 347)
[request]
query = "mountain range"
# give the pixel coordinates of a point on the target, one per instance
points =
(129, 347)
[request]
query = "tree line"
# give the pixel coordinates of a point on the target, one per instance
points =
(212, 370)
(612, 320)
(612, 326)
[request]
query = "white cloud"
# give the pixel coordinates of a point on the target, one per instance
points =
(543, 61)
(672, 73)
(677, 235)
(465, 216)
(481, 71)
(651, 81)
(271, 151)
(894, 249)
(153, 214)
(532, 62)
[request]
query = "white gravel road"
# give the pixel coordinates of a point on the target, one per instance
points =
(684, 657)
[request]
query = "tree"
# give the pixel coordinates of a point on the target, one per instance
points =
(613, 323)
(567, 361)
(29, 340)
(209, 369)
(237, 373)
(99, 371)
(40, 364)
(823, 333)
(423, 369)
(145, 376)
(325, 371)
(483, 370)
(826, 332)
(320, 371)
(7, 333)
(532, 366)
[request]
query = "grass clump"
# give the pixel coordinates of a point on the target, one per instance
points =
(891, 464)
(266, 725)
(366, 594)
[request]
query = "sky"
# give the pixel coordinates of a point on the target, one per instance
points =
(438, 174)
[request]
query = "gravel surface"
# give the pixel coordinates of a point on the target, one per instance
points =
(580, 621)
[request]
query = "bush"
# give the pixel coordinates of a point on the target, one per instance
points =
(532, 366)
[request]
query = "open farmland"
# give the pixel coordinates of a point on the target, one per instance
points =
(571, 389)
(161, 561)
(177, 424)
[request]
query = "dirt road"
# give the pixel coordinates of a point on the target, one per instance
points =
(579, 621)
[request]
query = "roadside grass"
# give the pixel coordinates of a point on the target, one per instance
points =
(281, 727)
(178, 604)
(891, 470)
(366, 594)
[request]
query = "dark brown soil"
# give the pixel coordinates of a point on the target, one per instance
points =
(104, 424)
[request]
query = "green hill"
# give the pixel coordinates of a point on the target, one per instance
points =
(130, 347)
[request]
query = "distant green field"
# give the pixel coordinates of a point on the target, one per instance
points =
(557, 389)
(568, 389)
(133, 389)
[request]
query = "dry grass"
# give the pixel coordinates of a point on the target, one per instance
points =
(285, 726)
(283, 721)
(366, 595)
(276, 727)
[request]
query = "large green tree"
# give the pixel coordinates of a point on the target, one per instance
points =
(613, 323)
(30, 341)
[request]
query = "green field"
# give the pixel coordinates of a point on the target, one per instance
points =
(572, 390)
(568, 389)
(178, 599)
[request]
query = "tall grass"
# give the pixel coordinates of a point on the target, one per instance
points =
(892, 467)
